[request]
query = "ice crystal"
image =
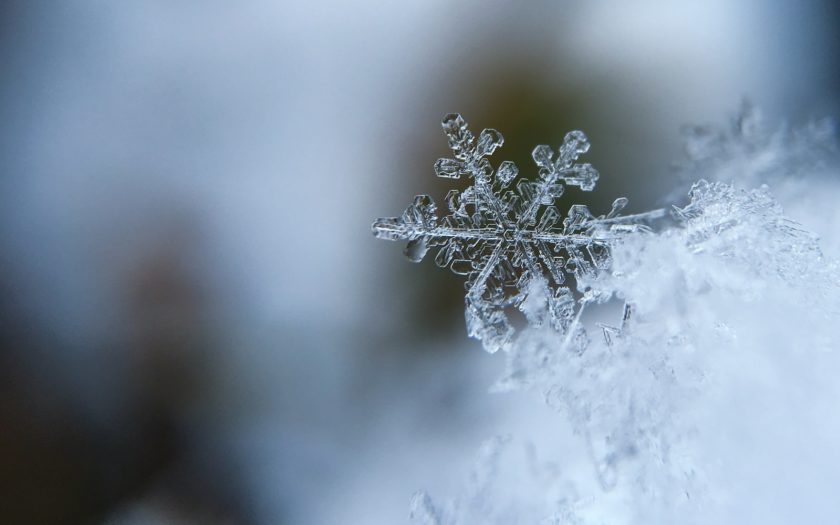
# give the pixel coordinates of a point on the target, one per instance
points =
(511, 240)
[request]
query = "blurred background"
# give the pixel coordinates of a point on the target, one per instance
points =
(196, 324)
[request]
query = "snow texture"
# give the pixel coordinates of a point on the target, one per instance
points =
(510, 243)
(751, 152)
(712, 401)
(797, 162)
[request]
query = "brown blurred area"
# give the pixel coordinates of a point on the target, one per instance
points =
(59, 466)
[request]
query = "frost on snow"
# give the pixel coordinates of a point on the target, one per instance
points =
(715, 401)
(793, 160)
(510, 240)
(677, 417)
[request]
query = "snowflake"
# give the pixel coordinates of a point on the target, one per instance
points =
(511, 243)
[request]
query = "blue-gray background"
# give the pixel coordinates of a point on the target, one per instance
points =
(196, 325)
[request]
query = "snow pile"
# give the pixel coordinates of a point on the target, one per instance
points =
(712, 400)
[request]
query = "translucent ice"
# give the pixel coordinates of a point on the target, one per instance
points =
(504, 240)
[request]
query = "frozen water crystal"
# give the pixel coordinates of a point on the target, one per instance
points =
(504, 239)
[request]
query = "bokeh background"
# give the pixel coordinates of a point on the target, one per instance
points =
(196, 324)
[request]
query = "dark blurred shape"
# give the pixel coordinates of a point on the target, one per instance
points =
(59, 465)
(46, 465)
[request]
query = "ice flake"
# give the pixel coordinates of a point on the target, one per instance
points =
(509, 241)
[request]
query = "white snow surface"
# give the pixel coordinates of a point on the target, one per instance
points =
(716, 400)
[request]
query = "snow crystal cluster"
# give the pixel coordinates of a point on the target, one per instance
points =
(798, 163)
(712, 399)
